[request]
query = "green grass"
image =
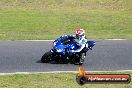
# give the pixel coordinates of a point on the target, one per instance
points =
(48, 19)
(53, 80)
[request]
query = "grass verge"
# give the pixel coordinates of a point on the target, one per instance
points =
(53, 80)
(48, 19)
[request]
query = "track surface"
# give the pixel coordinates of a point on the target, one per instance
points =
(24, 56)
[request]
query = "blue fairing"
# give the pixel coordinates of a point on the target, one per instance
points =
(91, 44)
(59, 47)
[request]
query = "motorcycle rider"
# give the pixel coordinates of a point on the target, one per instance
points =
(79, 38)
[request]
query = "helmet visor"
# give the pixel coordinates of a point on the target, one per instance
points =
(78, 36)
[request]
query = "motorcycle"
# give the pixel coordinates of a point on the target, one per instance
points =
(61, 52)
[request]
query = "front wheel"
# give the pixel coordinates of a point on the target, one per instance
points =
(76, 59)
(46, 58)
(79, 59)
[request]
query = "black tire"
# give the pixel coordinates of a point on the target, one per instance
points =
(80, 63)
(73, 59)
(77, 60)
(46, 58)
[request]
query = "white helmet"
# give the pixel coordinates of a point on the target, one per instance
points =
(79, 33)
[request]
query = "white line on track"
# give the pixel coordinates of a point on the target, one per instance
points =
(53, 40)
(59, 72)
(36, 40)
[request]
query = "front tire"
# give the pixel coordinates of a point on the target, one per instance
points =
(46, 58)
(79, 59)
(76, 59)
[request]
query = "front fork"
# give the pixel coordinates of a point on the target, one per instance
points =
(62, 57)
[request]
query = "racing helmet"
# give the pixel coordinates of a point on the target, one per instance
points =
(79, 33)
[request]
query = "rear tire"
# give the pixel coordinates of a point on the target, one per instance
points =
(46, 58)
(76, 60)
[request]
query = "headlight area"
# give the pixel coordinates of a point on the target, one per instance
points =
(59, 50)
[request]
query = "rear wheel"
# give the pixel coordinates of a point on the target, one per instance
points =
(75, 59)
(78, 59)
(46, 58)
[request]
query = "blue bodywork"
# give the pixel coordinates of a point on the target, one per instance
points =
(62, 49)
(91, 44)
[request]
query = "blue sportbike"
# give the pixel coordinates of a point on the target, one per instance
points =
(61, 52)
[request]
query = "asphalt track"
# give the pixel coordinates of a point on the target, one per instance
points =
(24, 56)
